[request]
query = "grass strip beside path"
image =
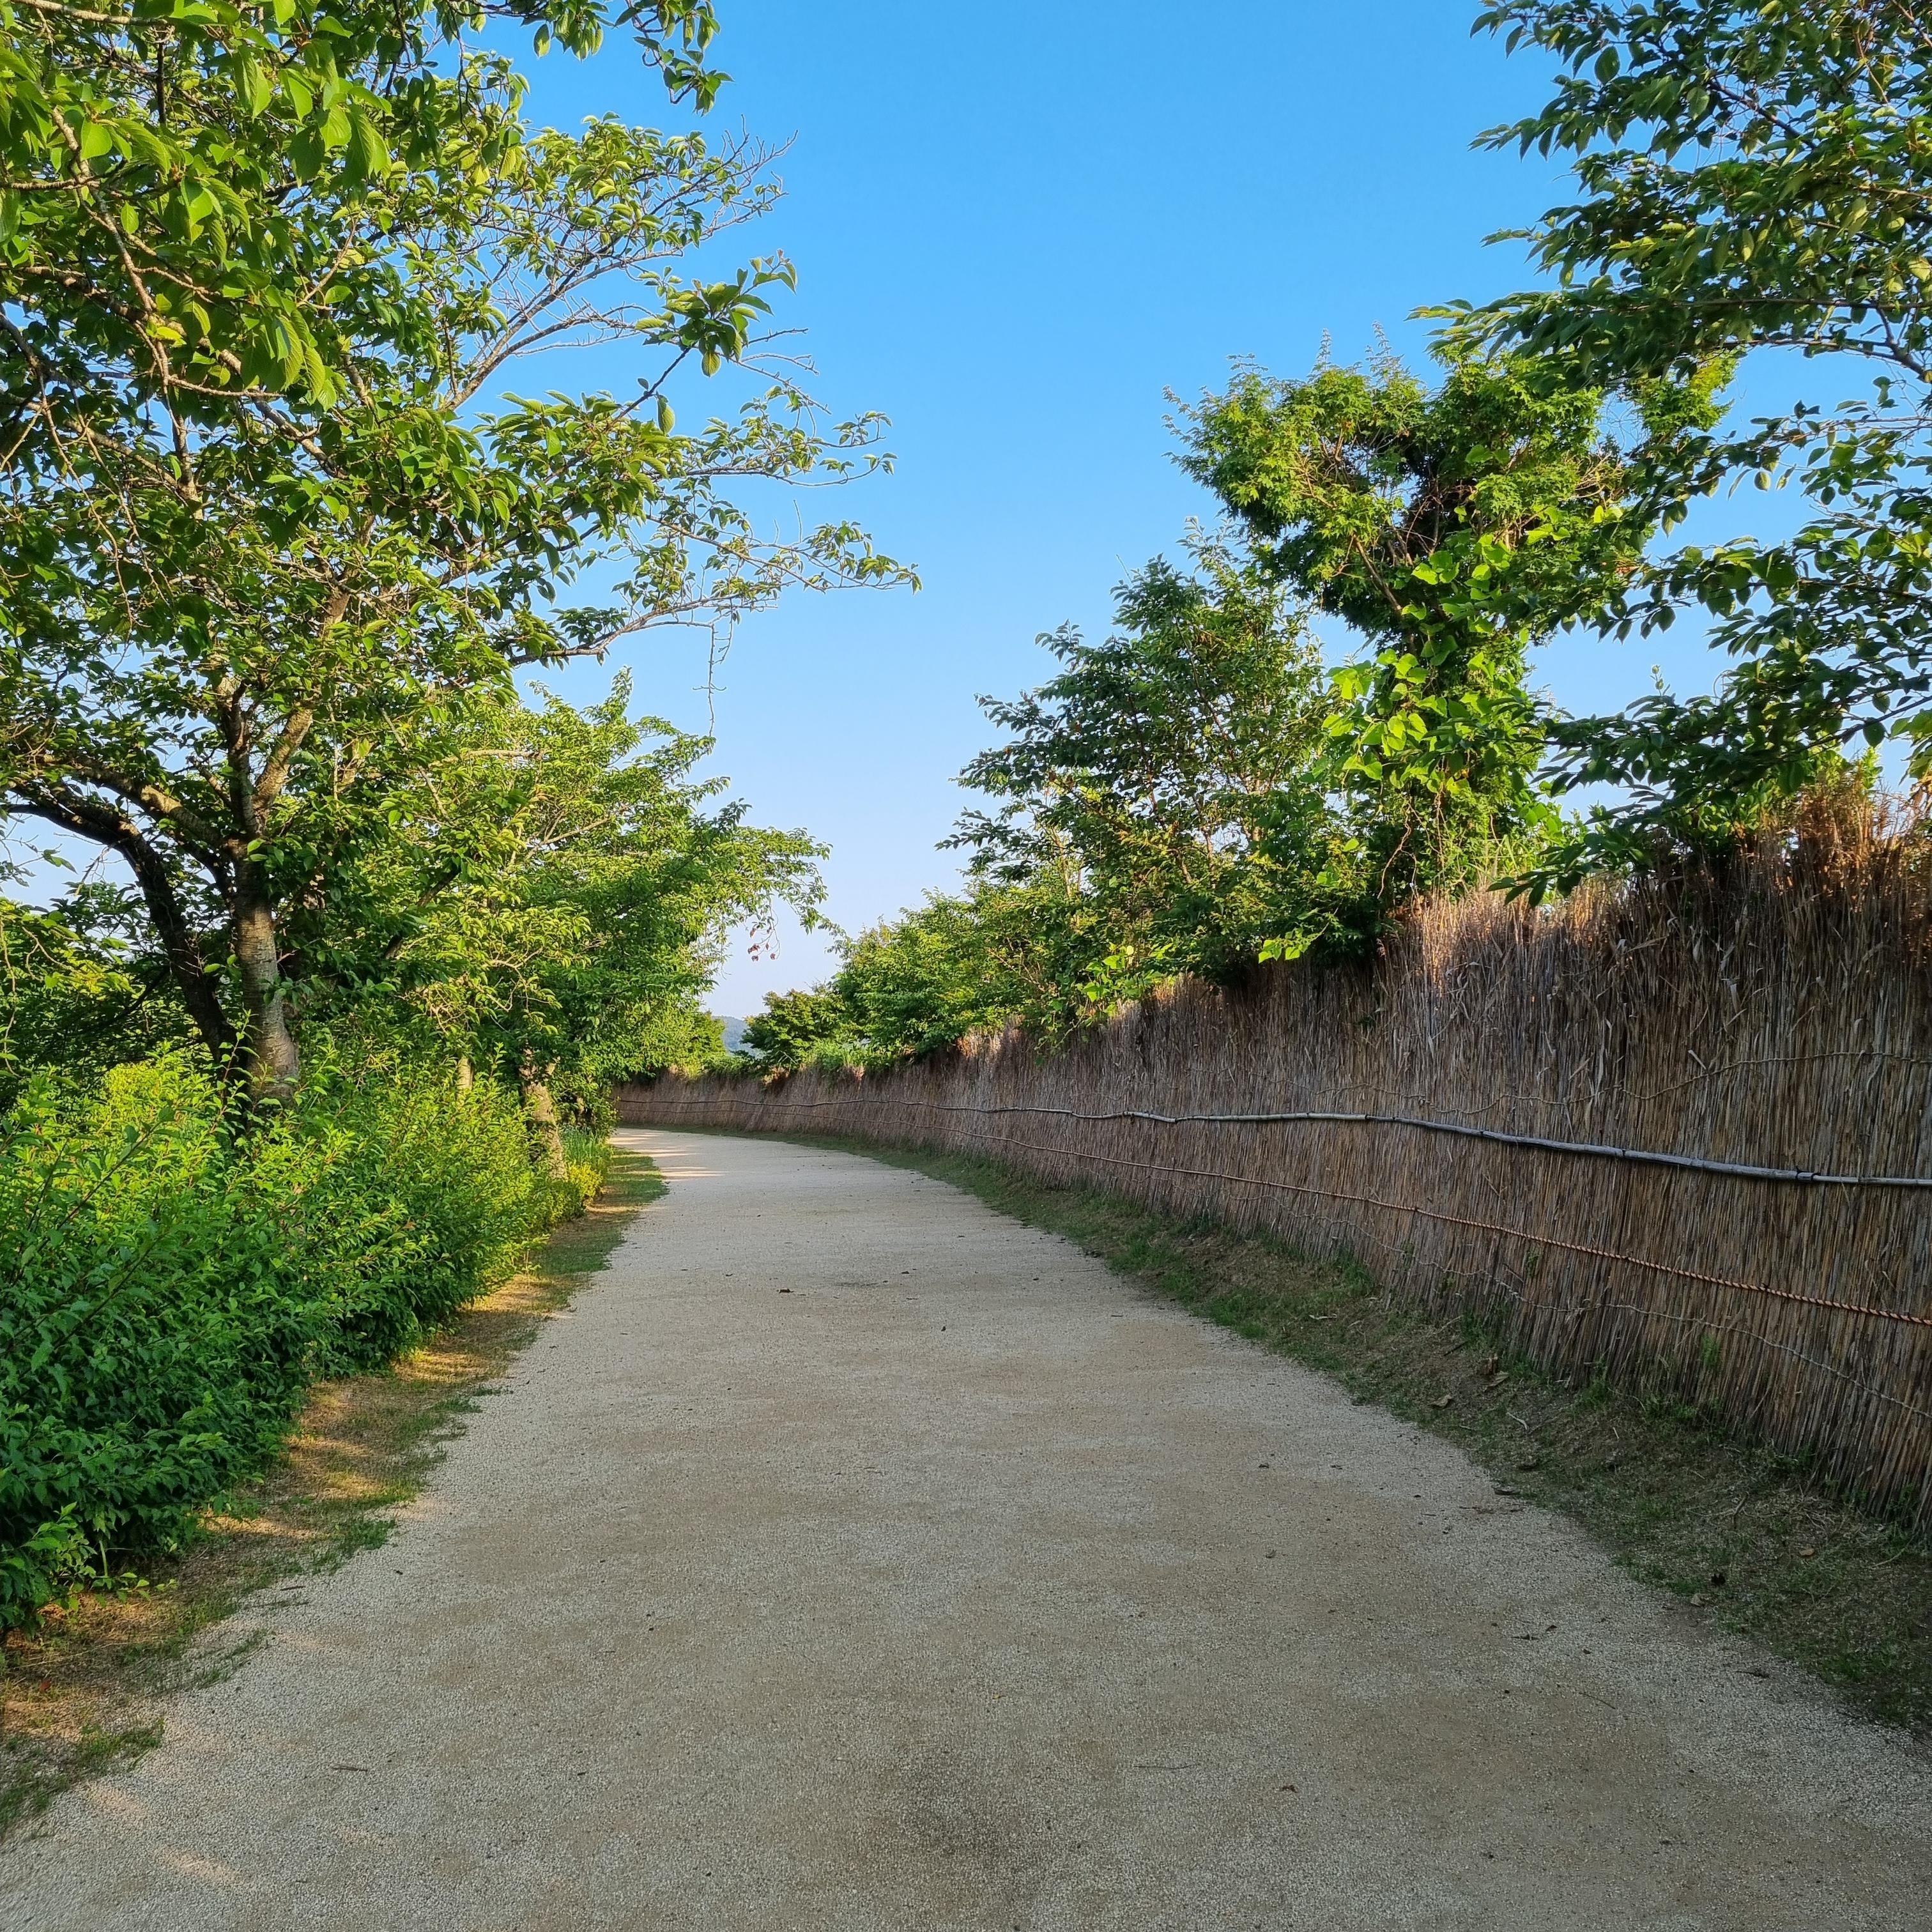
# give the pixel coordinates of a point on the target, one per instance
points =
(1740, 1532)
(82, 1693)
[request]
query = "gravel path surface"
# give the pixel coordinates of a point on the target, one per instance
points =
(850, 1556)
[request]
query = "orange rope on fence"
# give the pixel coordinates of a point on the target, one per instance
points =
(1428, 1214)
(1482, 1227)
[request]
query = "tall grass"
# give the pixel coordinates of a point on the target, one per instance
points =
(169, 1287)
(1776, 1012)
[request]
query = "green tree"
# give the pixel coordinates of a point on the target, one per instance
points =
(1161, 808)
(218, 630)
(174, 182)
(79, 991)
(1168, 784)
(552, 894)
(1749, 177)
(960, 963)
(967, 963)
(796, 1026)
(1456, 529)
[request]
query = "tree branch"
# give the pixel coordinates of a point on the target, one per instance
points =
(180, 946)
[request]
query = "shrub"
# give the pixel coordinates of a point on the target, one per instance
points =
(169, 1288)
(588, 1155)
(421, 1199)
(152, 1342)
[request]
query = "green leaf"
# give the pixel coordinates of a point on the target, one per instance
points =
(256, 89)
(368, 152)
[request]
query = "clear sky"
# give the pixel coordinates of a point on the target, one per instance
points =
(1015, 237)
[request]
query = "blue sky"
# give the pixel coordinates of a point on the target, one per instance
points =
(1014, 243)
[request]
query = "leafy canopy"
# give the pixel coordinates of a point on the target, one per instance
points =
(1160, 808)
(1749, 177)
(172, 175)
(1456, 528)
(225, 617)
(557, 885)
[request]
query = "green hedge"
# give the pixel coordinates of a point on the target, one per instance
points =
(168, 1290)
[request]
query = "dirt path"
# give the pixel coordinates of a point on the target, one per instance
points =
(965, 1586)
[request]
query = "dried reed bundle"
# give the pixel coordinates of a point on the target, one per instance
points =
(1776, 1013)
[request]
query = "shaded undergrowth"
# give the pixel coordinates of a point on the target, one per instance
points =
(1745, 1536)
(79, 1689)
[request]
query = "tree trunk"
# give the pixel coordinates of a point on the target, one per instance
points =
(543, 1114)
(275, 1061)
(200, 989)
(465, 1075)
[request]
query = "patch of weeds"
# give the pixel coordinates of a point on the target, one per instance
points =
(79, 1692)
(217, 1666)
(28, 1787)
(1743, 1535)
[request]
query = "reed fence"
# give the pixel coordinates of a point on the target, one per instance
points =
(1679, 1133)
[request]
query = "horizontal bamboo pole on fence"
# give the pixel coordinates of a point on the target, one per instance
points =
(1645, 1155)
(674, 1104)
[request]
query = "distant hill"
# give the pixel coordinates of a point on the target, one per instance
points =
(734, 1032)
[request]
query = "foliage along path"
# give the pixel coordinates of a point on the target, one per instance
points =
(852, 1557)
